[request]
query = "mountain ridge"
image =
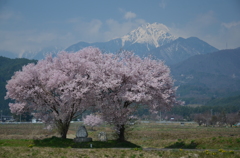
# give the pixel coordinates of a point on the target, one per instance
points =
(226, 62)
(181, 49)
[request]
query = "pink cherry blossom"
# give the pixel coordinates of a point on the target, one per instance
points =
(92, 120)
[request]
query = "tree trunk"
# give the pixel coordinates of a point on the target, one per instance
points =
(121, 133)
(64, 134)
(63, 128)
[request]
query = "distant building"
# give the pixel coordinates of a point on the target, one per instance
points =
(34, 120)
(5, 118)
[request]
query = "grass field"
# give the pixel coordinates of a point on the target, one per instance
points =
(32, 140)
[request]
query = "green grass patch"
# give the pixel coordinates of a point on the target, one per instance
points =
(207, 143)
(15, 142)
(219, 142)
(182, 145)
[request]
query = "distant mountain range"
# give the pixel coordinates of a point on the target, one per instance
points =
(154, 40)
(37, 55)
(149, 39)
(41, 54)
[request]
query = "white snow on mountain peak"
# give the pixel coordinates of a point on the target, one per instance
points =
(153, 34)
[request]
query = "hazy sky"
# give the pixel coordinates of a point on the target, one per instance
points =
(33, 24)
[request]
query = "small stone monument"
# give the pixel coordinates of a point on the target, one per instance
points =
(102, 136)
(82, 135)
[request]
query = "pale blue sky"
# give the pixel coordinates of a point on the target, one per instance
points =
(34, 24)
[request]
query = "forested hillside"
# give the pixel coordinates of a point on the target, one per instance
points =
(7, 69)
(211, 75)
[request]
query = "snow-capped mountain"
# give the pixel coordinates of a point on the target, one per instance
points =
(151, 34)
(140, 40)
(40, 54)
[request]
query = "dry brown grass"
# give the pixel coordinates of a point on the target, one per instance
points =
(25, 131)
(159, 136)
(146, 135)
(155, 135)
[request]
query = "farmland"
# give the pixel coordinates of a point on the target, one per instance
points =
(144, 140)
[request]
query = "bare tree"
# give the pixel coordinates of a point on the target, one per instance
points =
(232, 119)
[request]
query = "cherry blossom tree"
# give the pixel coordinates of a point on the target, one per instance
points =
(57, 89)
(128, 82)
(60, 89)
(92, 120)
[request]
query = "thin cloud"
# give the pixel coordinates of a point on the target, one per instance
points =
(129, 15)
(10, 15)
(162, 4)
(32, 40)
(117, 29)
(204, 20)
(231, 24)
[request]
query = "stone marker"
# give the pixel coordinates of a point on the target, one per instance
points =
(82, 135)
(82, 132)
(102, 136)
